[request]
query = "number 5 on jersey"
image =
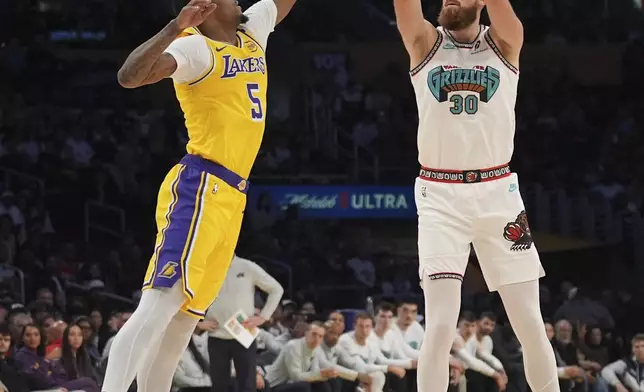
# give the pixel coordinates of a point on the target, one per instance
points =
(256, 111)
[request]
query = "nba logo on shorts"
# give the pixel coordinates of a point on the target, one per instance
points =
(423, 191)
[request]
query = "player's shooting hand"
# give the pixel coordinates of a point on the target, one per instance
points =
(253, 322)
(194, 13)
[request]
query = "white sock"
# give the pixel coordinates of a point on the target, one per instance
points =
(139, 334)
(442, 305)
(161, 360)
(521, 301)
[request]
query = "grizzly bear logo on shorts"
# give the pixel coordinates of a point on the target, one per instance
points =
(518, 232)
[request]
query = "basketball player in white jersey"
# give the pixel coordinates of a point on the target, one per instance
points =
(465, 77)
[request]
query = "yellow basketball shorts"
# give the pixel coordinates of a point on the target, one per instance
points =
(199, 214)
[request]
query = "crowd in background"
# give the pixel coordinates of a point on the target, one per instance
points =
(116, 147)
(43, 347)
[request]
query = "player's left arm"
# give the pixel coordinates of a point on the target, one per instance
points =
(264, 15)
(506, 29)
(283, 9)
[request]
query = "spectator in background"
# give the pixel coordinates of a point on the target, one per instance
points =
(338, 318)
(627, 374)
(42, 374)
(299, 364)
(581, 309)
(90, 339)
(115, 323)
(18, 319)
(329, 352)
(475, 367)
(406, 324)
(592, 345)
(193, 372)
(363, 354)
(569, 370)
(9, 371)
(75, 358)
(393, 347)
(481, 344)
(390, 343)
(238, 292)
(55, 334)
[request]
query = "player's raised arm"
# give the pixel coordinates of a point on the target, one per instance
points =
(148, 63)
(506, 29)
(283, 8)
(418, 35)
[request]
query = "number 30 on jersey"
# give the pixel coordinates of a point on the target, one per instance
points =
(468, 104)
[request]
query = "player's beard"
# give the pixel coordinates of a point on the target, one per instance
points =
(243, 19)
(458, 18)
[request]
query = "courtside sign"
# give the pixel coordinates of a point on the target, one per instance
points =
(338, 202)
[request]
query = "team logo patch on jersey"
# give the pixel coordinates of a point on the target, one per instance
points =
(518, 232)
(252, 46)
(169, 270)
(449, 46)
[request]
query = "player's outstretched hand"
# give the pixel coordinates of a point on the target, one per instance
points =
(194, 13)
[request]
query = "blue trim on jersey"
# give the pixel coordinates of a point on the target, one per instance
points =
(496, 50)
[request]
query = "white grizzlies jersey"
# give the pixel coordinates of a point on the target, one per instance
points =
(466, 95)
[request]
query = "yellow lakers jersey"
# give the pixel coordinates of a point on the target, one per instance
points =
(225, 109)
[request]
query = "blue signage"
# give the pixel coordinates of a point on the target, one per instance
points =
(343, 202)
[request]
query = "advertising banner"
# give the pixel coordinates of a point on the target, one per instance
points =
(339, 202)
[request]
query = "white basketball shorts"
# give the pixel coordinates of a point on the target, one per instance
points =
(489, 215)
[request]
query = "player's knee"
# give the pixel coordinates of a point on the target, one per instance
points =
(438, 332)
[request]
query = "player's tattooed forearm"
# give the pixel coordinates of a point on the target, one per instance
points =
(140, 64)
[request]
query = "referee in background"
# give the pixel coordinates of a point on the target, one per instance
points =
(238, 292)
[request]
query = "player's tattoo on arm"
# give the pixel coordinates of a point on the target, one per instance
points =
(147, 64)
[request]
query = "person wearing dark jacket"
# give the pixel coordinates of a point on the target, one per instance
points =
(75, 358)
(9, 373)
(40, 373)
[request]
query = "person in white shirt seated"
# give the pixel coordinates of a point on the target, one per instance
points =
(192, 374)
(300, 367)
(392, 345)
(409, 330)
(362, 353)
(627, 374)
(478, 344)
(407, 325)
(331, 352)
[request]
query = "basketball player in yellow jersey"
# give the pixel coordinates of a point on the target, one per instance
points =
(215, 55)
